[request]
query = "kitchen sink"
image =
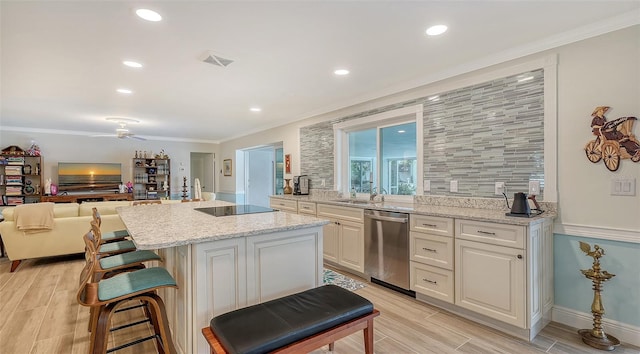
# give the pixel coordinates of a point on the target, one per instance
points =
(352, 201)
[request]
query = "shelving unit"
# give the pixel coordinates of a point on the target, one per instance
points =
(20, 177)
(149, 177)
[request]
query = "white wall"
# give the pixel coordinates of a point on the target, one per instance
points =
(77, 148)
(602, 71)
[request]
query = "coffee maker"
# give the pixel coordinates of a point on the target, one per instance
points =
(301, 185)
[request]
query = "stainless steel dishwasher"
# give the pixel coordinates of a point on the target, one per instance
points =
(386, 244)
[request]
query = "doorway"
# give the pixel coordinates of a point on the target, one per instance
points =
(260, 174)
(202, 168)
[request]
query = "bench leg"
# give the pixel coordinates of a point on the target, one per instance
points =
(368, 337)
(331, 346)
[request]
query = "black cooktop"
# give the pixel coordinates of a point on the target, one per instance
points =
(234, 210)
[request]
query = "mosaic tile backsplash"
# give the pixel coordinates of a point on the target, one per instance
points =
(477, 135)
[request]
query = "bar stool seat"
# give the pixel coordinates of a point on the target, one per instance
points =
(117, 247)
(128, 258)
(126, 284)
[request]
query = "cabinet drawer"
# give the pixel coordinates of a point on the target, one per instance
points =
(306, 208)
(432, 281)
(284, 204)
(431, 249)
(496, 234)
(340, 212)
(432, 224)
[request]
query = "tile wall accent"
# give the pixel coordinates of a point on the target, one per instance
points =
(477, 135)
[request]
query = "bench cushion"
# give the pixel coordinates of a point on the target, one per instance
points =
(271, 325)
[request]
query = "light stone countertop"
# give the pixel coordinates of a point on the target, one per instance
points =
(168, 225)
(478, 209)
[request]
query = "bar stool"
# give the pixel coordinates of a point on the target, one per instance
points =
(106, 295)
(109, 236)
(109, 265)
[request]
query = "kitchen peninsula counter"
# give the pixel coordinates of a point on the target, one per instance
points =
(224, 263)
(157, 226)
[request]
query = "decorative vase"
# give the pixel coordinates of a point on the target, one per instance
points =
(287, 188)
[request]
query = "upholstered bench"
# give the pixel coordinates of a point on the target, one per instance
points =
(297, 323)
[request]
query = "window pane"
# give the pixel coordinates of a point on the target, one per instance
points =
(362, 158)
(399, 165)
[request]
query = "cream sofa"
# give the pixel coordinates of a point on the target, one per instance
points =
(71, 222)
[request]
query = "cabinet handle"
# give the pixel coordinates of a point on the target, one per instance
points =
(486, 233)
(429, 225)
(281, 204)
(430, 281)
(337, 223)
(519, 256)
(429, 249)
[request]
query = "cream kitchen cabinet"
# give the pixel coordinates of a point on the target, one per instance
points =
(431, 256)
(502, 272)
(307, 208)
(220, 276)
(343, 236)
(288, 205)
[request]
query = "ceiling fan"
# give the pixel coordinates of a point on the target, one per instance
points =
(122, 132)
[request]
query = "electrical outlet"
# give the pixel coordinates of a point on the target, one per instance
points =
(453, 186)
(322, 183)
(427, 185)
(534, 187)
(499, 188)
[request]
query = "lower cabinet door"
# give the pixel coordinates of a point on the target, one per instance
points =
(351, 245)
(490, 280)
(330, 242)
(432, 281)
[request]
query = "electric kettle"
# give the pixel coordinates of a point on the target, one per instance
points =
(520, 204)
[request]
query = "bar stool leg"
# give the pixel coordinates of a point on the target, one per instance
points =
(160, 323)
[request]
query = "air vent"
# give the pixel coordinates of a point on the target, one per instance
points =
(216, 60)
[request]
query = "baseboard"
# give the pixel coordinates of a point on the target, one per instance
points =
(624, 332)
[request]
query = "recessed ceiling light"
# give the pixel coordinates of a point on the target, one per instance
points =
(124, 90)
(255, 109)
(148, 15)
(436, 30)
(132, 64)
(341, 72)
(401, 131)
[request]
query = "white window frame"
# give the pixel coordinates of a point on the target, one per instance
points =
(380, 120)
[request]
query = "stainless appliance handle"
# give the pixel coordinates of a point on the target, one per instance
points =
(386, 218)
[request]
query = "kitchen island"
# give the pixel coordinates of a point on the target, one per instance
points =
(227, 262)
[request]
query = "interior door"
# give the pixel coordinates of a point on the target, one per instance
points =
(259, 176)
(202, 168)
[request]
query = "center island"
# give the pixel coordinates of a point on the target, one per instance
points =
(222, 263)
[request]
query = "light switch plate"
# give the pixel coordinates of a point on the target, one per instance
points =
(453, 186)
(427, 185)
(623, 186)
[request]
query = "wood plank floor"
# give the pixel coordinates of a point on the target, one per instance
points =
(39, 314)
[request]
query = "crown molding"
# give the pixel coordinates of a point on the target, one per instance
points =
(89, 134)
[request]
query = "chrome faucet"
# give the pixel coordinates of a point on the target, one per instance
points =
(372, 192)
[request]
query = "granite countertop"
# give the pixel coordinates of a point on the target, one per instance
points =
(478, 209)
(167, 225)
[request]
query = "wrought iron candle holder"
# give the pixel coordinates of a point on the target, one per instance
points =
(596, 337)
(185, 193)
